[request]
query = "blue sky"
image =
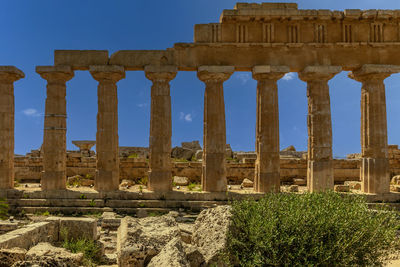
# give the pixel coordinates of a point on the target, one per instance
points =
(32, 30)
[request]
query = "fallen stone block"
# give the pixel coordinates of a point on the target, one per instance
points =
(342, 188)
(172, 255)
(139, 240)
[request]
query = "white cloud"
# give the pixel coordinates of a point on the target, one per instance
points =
(185, 117)
(288, 76)
(31, 112)
(243, 77)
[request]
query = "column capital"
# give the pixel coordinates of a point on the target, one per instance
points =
(373, 72)
(10, 74)
(55, 73)
(107, 72)
(160, 73)
(319, 73)
(267, 72)
(214, 73)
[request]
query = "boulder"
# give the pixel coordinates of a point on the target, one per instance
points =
(44, 254)
(395, 188)
(182, 153)
(289, 148)
(139, 240)
(247, 183)
(172, 255)
(178, 180)
(210, 232)
(10, 256)
(194, 145)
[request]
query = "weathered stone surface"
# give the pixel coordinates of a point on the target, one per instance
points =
(353, 185)
(173, 254)
(139, 240)
(12, 255)
(110, 221)
(75, 227)
(194, 145)
(182, 153)
(293, 188)
(30, 235)
(181, 181)
(289, 148)
(395, 180)
(84, 145)
(247, 183)
(211, 227)
(44, 254)
(194, 256)
(80, 59)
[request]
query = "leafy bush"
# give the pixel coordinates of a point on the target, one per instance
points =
(319, 229)
(3, 209)
(90, 249)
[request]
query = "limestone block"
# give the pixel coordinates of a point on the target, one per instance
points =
(44, 254)
(193, 255)
(173, 254)
(182, 153)
(80, 59)
(12, 255)
(77, 228)
(353, 185)
(30, 235)
(211, 227)
(141, 239)
(181, 181)
(247, 183)
(342, 188)
(194, 145)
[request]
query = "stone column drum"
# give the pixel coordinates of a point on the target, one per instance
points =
(267, 167)
(160, 175)
(54, 147)
(374, 171)
(319, 122)
(214, 141)
(107, 148)
(8, 75)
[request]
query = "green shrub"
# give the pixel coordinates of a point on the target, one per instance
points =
(133, 156)
(90, 249)
(3, 209)
(319, 229)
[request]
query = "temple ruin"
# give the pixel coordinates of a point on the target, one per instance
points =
(269, 40)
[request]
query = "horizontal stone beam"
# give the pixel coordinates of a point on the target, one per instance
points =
(138, 59)
(80, 59)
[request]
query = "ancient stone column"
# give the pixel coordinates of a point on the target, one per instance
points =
(214, 141)
(107, 149)
(8, 75)
(267, 167)
(374, 171)
(319, 122)
(160, 177)
(55, 127)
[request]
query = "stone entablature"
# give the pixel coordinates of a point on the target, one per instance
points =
(282, 23)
